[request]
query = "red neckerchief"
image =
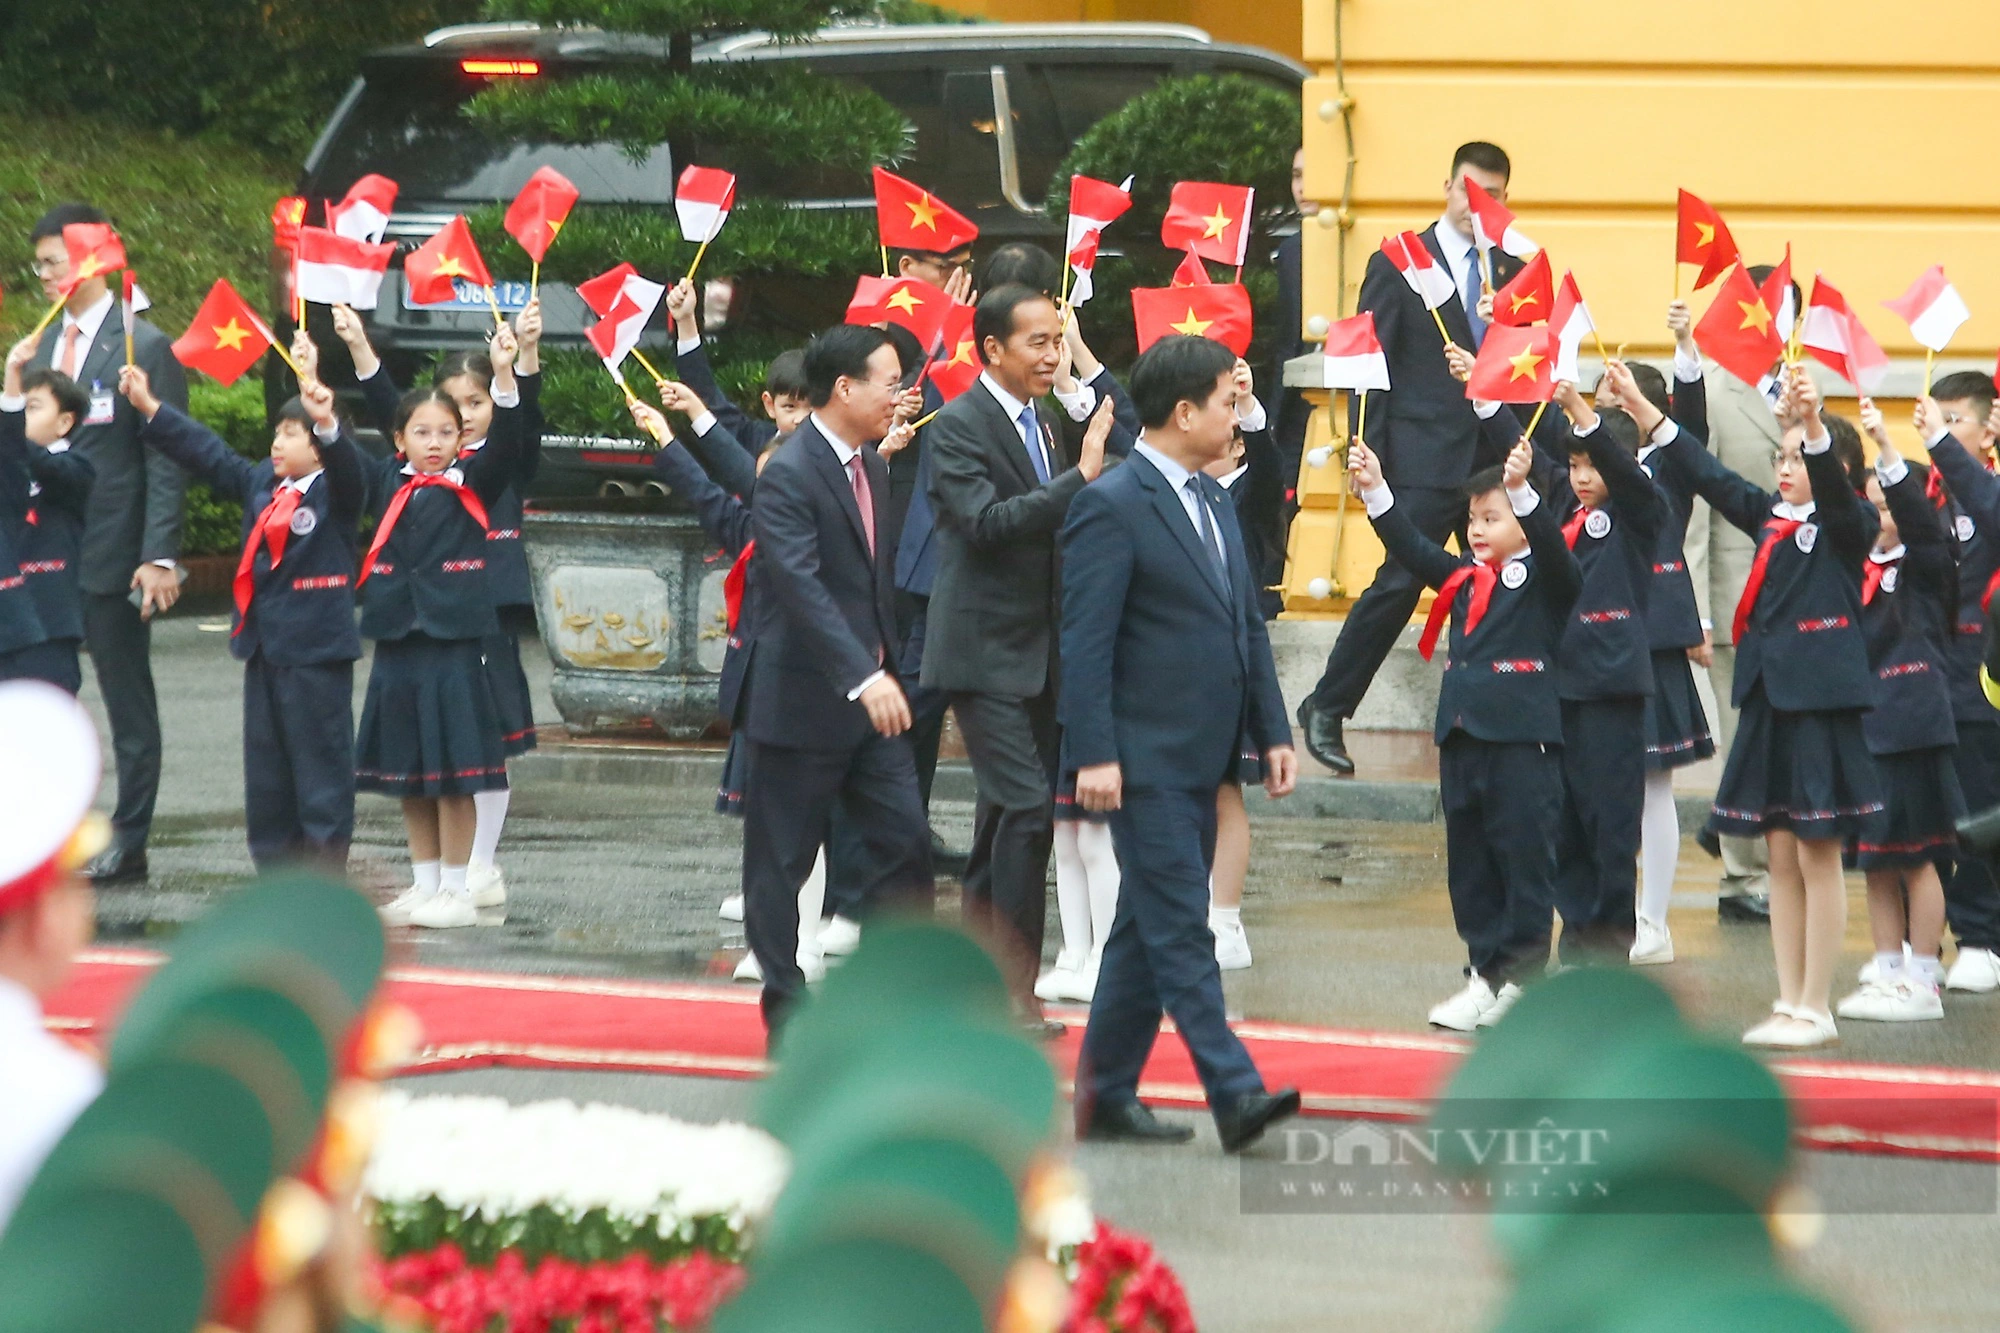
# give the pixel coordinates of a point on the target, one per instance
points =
(272, 528)
(395, 511)
(1573, 528)
(1871, 577)
(1483, 573)
(1775, 531)
(732, 584)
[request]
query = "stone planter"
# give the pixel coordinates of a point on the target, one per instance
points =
(629, 597)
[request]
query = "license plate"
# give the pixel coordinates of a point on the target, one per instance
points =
(512, 297)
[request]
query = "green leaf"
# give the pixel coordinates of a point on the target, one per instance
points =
(669, 18)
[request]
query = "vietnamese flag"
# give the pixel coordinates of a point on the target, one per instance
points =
(1515, 365)
(286, 216)
(1740, 331)
(431, 268)
(1219, 311)
(1191, 273)
(1703, 239)
(1530, 297)
(1210, 220)
(539, 211)
(917, 306)
(865, 306)
(226, 337)
(955, 373)
(94, 250)
(909, 217)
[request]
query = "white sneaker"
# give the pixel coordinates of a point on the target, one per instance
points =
(1781, 1014)
(1061, 983)
(1501, 1004)
(1232, 946)
(487, 885)
(445, 911)
(1805, 1030)
(838, 935)
(1655, 944)
(1461, 1012)
(1900, 1001)
(812, 963)
(748, 970)
(396, 912)
(1870, 973)
(732, 908)
(1974, 970)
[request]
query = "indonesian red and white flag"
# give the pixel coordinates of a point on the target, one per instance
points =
(1493, 225)
(1932, 308)
(364, 214)
(702, 200)
(1834, 335)
(338, 270)
(1354, 356)
(1093, 206)
(1571, 320)
(601, 293)
(136, 300)
(619, 331)
(1428, 278)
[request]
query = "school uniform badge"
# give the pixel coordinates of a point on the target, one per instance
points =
(1597, 523)
(1889, 578)
(1963, 527)
(303, 521)
(1513, 574)
(1806, 537)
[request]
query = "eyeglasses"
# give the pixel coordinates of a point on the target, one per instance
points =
(425, 435)
(43, 268)
(887, 386)
(1956, 418)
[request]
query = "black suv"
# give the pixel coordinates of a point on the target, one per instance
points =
(994, 108)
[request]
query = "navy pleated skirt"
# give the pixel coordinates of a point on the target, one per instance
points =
(509, 685)
(429, 724)
(1920, 825)
(1809, 773)
(1676, 727)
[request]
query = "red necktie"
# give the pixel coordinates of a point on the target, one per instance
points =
(271, 529)
(1574, 527)
(1775, 531)
(1871, 578)
(67, 363)
(1934, 488)
(732, 584)
(1482, 575)
(395, 511)
(864, 497)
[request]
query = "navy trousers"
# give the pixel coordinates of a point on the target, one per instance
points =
(1502, 807)
(1971, 896)
(298, 762)
(53, 660)
(1161, 957)
(1604, 797)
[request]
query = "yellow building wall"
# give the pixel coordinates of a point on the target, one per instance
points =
(1829, 124)
(1276, 25)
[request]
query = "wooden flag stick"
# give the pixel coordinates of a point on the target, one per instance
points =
(1361, 419)
(699, 251)
(1602, 355)
(1677, 277)
(925, 419)
(885, 261)
(535, 280)
(47, 315)
(652, 370)
(1930, 363)
(1438, 319)
(493, 303)
(286, 357)
(1486, 266)
(1536, 419)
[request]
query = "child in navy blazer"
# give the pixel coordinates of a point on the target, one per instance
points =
(431, 730)
(49, 488)
(1499, 720)
(1909, 594)
(1800, 772)
(784, 397)
(293, 628)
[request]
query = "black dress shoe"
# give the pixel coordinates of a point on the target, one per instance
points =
(1323, 739)
(1130, 1123)
(1245, 1122)
(116, 865)
(1706, 839)
(1754, 908)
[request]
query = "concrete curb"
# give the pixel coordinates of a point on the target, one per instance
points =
(1317, 797)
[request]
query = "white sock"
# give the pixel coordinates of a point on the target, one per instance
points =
(1924, 969)
(1659, 846)
(1072, 896)
(1225, 916)
(812, 899)
(489, 814)
(1889, 967)
(451, 882)
(426, 873)
(1100, 867)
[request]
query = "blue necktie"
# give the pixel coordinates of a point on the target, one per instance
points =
(1471, 298)
(1205, 525)
(1029, 429)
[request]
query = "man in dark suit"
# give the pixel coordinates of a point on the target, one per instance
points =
(1001, 481)
(1425, 432)
(1167, 675)
(1289, 408)
(825, 720)
(132, 529)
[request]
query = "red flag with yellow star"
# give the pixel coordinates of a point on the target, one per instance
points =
(1530, 297)
(432, 266)
(1211, 220)
(1702, 237)
(539, 211)
(917, 306)
(909, 217)
(226, 338)
(1220, 310)
(1515, 365)
(1740, 330)
(1191, 273)
(94, 250)
(958, 368)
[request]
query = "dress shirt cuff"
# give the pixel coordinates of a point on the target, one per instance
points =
(1523, 498)
(13, 402)
(862, 688)
(1890, 468)
(1253, 420)
(1665, 433)
(165, 564)
(1930, 445)
(702, 424)
(326, 434)
(1079, 403)
(1820, 445)
(507, 399)
(686, 345)
(359, 377)
(1487, 411)
(1707, 625)
(1589, 430)
(1379, 500)
(1687, 369)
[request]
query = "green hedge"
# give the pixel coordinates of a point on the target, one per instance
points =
(215, 525)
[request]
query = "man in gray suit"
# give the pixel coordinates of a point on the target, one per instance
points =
(132, 529)
(1001, 482)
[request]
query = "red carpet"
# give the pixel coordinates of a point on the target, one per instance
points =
(473, 1019)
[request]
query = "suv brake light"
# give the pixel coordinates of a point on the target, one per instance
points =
(501, 68)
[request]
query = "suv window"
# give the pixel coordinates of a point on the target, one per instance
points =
(406, 125)
(1055, 104)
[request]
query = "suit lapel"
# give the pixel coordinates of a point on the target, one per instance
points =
(1453, 310)
(107, 350)
(1167, 505)
(1008, 434)
(820, 450)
